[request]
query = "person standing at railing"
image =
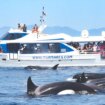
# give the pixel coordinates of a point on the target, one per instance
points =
(94, 48)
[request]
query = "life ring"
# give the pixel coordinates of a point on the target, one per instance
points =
(85, 33)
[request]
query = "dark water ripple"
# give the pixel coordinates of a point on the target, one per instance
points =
(13, 82)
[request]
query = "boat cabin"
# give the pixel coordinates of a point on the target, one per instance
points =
(13, 34)
(36, 48)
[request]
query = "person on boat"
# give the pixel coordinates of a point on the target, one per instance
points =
(90, 48)
(22, 47)
(35, 29)
(19, 26)
(84, 48)
(94, 48)
(24, 28)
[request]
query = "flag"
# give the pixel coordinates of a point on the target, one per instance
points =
(43, 13)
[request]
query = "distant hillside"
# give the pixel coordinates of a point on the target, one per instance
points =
(72, 32)
(96, 31)
(58, 29)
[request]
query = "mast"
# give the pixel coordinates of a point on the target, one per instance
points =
(42, 20)
(43, 15)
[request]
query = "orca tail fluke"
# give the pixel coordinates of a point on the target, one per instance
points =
(55, 67)
(30, 87)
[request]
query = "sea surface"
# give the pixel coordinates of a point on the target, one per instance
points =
(13, 86)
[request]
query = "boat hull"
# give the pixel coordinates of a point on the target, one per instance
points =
(67, 60)
(44, 63)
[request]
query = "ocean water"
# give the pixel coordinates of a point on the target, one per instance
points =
(13, 86)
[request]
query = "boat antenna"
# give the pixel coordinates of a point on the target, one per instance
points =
(42, 17)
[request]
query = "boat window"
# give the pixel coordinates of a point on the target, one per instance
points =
(54, 48)
(27, 48)
(11, 36)
(13, 47)
(40, 48)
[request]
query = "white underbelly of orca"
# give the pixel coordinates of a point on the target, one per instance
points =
(71, 79)
(65, 92)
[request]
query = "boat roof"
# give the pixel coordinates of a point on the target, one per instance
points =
(39, 38)
(45, 38)
(55, 38)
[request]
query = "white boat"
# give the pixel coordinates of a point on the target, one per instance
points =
(39, 49)
(34, 48)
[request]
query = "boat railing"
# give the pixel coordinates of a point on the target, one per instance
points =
(89, 52)
(102, 53)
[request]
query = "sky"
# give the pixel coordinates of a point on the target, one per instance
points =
(76, 14)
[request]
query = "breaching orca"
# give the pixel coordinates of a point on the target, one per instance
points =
(84, 77)
(57, 88)
(42, 68)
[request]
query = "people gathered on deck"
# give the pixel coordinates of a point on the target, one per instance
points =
(22, 27)
(89, 47)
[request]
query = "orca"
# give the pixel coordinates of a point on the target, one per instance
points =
(42, 68)
(57, 88)
(97, 84)
(84, 77)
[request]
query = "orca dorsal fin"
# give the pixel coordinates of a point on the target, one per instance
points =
(55, 67)
(30, 86)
